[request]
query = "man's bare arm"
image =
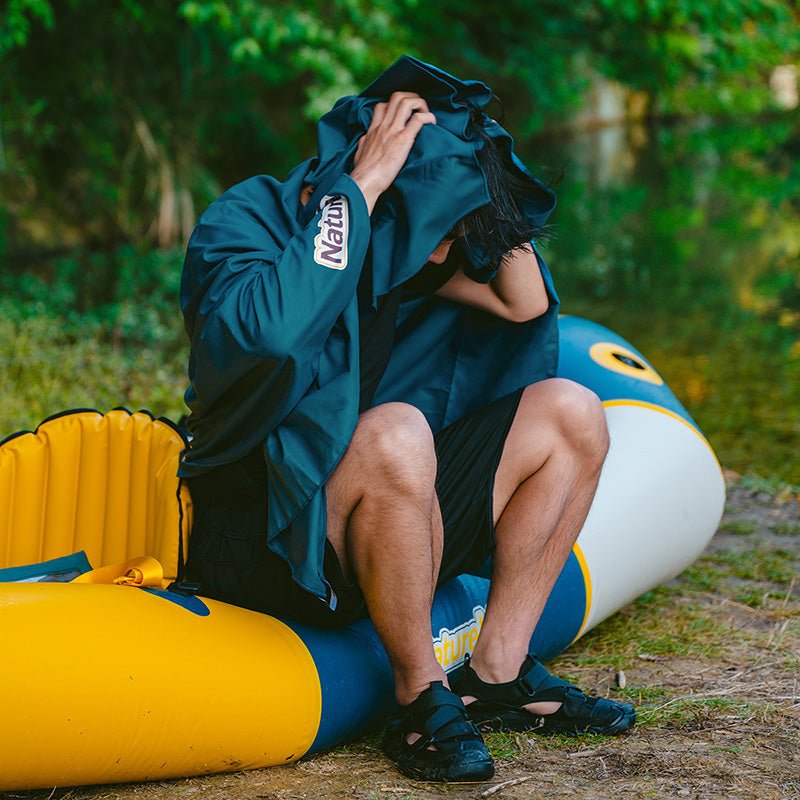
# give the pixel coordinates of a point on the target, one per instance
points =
(516, 293)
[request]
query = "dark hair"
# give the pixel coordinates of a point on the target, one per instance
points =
(499, 227)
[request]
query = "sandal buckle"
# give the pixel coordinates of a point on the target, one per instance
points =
(525, 683)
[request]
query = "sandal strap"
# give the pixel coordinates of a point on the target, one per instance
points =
(439, 716)
(449, 747)
(540, 684)
(500, 705)
(534, 684)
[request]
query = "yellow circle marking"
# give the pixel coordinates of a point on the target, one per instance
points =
(605, 354)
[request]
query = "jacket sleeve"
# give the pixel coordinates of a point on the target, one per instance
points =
(258, 289)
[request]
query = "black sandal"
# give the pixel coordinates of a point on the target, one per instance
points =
(498, 706)
(440, 718)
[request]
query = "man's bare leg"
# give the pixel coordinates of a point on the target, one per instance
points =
(544, 487)
(385, 524)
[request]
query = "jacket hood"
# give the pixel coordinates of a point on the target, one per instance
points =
(441, 181)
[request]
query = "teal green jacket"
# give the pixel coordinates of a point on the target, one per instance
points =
(268, 294)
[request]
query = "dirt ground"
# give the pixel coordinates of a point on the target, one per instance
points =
(711, 661)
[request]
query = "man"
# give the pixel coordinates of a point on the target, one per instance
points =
(374, 409)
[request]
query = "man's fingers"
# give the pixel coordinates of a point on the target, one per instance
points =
(399, 111)
(417, 121)
(396, 97)
(378, 114)
(382, 151)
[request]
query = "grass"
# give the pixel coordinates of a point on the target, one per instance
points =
(643, 695)
(702, 712)
(508, 746)
(739, 527)
(47, 367)
(676, 621)
(763, 564)
(772, 486)
(659, 623)
(503, 746)
(71, 339)
(785, 529)
(752, 576)
(791, 664)
(756, 598)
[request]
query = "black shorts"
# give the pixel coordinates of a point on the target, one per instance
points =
(228, 553)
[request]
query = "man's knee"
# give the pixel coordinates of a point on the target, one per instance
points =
(577, 417)
(395, 443)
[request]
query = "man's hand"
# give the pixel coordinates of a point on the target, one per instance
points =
(385, 146)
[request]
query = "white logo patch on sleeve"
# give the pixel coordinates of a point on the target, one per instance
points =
(330, 244)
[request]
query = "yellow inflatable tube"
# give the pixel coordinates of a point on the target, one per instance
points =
(139, 687)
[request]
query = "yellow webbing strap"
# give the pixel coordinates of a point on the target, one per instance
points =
(141, 571)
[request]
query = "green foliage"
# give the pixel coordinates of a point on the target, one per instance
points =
(16, 25)
(690, 252)
(136, 307)
(120, 122)
(685, 49)
(333, 45)
(68, 340)
(49, 367)
(123, 120)
(674, 51)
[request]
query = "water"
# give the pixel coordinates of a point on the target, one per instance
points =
(686, 241)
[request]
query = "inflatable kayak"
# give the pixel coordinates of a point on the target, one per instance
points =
(119, 673)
